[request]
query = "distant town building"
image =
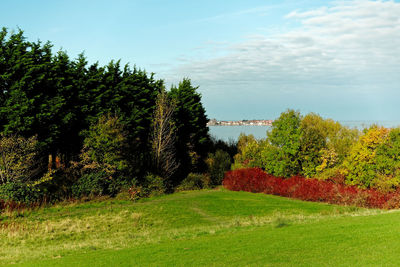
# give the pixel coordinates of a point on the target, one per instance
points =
(214, 122)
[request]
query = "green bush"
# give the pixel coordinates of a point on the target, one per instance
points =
(94, 184)
(194, 181)
(277, 162)
(334, 174)
(23, 176)
(153, 185)
(218, 163)
(230, 146)
(249, 152)
(103, 165)
(21, 193)
(18, 158)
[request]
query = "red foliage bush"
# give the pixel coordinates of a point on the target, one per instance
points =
(257, 181)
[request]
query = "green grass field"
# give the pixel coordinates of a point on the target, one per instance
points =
(209, 227)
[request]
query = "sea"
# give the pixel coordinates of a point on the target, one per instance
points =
(231, 133)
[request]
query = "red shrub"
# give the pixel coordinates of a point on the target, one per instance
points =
(251, 180)
(256, 180)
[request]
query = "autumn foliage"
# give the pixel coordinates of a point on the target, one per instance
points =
(257, 181)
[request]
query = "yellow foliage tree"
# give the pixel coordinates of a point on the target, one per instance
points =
(360, 165)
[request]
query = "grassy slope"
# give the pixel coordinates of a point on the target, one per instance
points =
(201, 228)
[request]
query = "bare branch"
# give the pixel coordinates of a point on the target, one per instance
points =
(163, 139)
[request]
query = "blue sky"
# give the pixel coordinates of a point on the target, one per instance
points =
(250, 59)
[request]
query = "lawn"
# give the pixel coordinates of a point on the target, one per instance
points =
(208, 227)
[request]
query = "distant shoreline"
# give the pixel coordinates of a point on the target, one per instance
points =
(239, 125)
(214, 122)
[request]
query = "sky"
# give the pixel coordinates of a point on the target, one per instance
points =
(250, 59)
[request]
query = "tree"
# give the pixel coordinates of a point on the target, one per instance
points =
(60, 101)
(30, 101)
(57, 99)
(131, 95)
(312, 141)
(164, 134)
(360, 166)
(387, 161)
(105, 146)
(324, 143)
(281, 157)
(17, 159)
(339, 140)
(192, 138)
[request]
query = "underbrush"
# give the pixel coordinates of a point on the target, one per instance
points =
(194, 181)
(257, 181)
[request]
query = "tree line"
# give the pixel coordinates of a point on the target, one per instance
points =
(314, 147)
(70, 128)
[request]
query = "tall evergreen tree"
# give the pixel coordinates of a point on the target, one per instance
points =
(192, 130)
(31, 103)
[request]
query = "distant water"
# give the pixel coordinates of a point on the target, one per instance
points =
(227, 133)
(364, 124)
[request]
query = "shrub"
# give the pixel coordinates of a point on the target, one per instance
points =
(17, 158)
(218, 163)
(249, 152)
(393, 201)
(136, 192)
(153, 185)
(276, 161)
(333, 174)
(103, 167)
(194, 181)
(23, 179)
(20, 193)
(94, 184)
(385, 183)
(257, 181)
(230, 146)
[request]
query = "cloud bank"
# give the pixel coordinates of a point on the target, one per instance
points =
(341, 61)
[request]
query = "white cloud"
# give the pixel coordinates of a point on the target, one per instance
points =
(353, 46)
